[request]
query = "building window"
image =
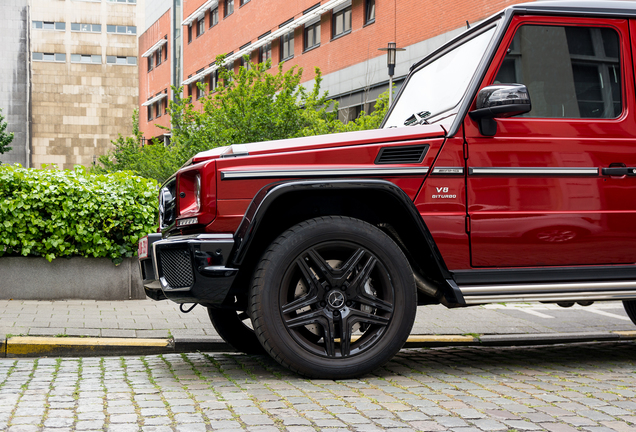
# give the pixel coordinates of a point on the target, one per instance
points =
(244, 1)
(158, 108)
(118, 29)
(164, 103)
(122, 60)
(165, 52)
(149, 63)
(312, 36)
(49, 25)
(86, 58)
(149, 112)
(229, 8)
(49, 57)
(341, 22)
(200, 26)
(265, 53)
(287, 46)
(157, 56)
(214, 16)
(199, 91)
(190, 33)
(89, 28)
(369, 11)
(214, 80)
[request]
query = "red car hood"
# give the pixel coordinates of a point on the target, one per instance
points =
(324, 141)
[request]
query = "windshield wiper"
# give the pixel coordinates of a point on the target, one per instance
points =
(417, 118)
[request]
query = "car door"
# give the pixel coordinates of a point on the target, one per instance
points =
(539, 192)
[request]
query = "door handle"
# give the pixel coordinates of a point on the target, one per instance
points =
(619, 171)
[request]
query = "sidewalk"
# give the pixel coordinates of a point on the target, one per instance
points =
(435, 325)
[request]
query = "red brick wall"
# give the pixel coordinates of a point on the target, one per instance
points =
(158, 79)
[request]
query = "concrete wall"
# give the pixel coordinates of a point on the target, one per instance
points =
(72, 278)
(14, 77)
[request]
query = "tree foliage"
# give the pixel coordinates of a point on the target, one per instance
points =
(5, 137)
(52, 213)
(251, 105)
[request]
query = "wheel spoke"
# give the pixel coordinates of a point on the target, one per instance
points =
(358, 316)
(322, 267)
(356, 286)
(369, 300)
(306, 318)
(349, 267)
(345, 335)
(321, 318)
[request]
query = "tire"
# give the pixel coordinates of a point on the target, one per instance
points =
(630, 308)
(230, 325)
(333, 298)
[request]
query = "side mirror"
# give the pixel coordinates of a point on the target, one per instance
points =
(499, 100)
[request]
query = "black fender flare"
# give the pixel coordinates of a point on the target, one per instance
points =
(267, 196)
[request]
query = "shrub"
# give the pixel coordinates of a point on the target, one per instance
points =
(51, 213)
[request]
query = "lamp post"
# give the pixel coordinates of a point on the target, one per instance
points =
(390, 62)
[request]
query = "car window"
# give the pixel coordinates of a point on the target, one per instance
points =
(570, 72)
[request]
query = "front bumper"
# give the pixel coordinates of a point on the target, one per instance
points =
(189, 269)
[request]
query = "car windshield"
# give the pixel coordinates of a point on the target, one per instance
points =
(440, 85)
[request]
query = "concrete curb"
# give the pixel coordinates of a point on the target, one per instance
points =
(35, 346)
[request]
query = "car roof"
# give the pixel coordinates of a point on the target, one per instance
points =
(624, 8)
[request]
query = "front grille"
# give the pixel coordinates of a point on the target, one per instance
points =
(177, 267)
(402, 155)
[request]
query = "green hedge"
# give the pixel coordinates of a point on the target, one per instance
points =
(51, 213)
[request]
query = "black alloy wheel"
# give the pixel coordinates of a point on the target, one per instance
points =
(234, 328)
(333, 297)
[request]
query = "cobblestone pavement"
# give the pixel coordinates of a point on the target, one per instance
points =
(587, 387)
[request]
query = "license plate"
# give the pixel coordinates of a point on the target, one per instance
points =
(142, 249)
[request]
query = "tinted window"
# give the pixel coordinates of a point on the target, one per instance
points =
(570, 72)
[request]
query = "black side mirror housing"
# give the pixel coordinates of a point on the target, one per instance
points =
(499, 100)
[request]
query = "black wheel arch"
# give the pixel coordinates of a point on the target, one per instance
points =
(279, 206)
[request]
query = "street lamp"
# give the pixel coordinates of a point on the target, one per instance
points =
(390, 62)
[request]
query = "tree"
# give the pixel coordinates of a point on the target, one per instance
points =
(249, 106)
(5, 137)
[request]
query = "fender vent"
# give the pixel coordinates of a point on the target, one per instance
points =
(402, 155)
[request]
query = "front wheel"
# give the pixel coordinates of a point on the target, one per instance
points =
(630, 308)
(333, 297)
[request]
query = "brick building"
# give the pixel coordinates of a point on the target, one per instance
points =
(342, 37)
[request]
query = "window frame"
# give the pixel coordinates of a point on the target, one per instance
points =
(367, 8)
(290, 43)
(200, 26)
(315, 29)
(335, 16)
(214, 16)
(226, 8)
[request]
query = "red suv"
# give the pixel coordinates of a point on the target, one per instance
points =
(505, 171)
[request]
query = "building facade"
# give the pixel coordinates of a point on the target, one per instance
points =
(80, 71)
(341, 37)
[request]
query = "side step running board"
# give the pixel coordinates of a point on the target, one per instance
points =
(549, 292)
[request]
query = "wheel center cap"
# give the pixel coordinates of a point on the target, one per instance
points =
(336, 299)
